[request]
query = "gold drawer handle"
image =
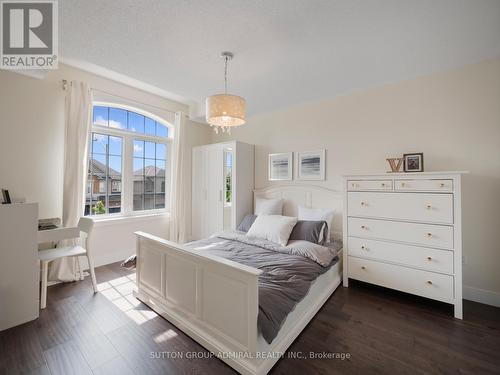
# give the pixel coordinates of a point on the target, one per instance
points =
(441, 184)
(363, 267)
(403, 184)
(354, 185)
(429, 282)
(429, 235)
(383, 185)
(429, 258)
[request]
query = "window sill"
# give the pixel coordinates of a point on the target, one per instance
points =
(114, 220)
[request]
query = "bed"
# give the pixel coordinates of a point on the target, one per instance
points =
(216, 300)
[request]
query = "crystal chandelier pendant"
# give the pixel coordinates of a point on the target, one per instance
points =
(225, 111)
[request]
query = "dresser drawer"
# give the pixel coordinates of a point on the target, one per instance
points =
(426, 235)
(422, 283)
(409, 255)
(424, 185)
(426, 207)
(353, 185)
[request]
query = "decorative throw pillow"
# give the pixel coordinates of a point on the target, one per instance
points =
(307, 230)
(247, 222)
(318, 214)
(274, 228)
(268, 206)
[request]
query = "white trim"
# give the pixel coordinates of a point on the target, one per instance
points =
(132, 82)
(487, 297)
(112, 220)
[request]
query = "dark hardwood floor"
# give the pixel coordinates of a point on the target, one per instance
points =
(380, 331)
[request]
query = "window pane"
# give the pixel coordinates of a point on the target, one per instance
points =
(149, 167)
(138, 166)
(138, 202)
(160, 168)
(115, 202)
(101, 116)
(160, 185)
(161, 130)
(149, 201)
(99, 166)
(149, 184)
(116, 186)
(135, 122)
(115, 166)
(150, 126)
(115, 145)
(139, 149)
(159, 200)
(104, 181)
(161, 151)
(117, 118)
(138, 184)
(99, 143)
(149, 150)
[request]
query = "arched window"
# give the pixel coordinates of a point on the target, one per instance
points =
(128, 163)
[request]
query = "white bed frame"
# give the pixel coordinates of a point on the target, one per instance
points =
(215, 300)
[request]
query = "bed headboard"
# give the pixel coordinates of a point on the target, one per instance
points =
(306, 196)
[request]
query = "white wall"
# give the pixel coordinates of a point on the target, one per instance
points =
(32, 148)
(452, 117)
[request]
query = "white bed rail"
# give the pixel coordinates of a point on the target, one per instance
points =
(214, 300)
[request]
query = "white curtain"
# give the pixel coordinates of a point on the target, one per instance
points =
(180, 182)
(78, 112)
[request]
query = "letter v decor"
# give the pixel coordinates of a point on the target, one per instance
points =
(396, 164)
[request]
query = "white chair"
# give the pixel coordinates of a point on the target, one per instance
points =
(85, 225)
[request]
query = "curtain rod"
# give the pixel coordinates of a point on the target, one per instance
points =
(65, 84)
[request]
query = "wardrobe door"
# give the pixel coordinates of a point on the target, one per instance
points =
(215, 180)
(199, 191)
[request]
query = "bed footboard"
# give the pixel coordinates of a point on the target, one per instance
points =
(213, 300)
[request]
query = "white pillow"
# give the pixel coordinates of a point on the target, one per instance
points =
(274, 228)
(318, 214)
(268, 206)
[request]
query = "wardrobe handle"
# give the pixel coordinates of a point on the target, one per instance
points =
(220, 195)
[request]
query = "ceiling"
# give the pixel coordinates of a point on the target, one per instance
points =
(286, 51)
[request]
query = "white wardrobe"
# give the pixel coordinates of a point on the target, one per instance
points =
(223, 183)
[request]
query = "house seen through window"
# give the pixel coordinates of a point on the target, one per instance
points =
(128, 165)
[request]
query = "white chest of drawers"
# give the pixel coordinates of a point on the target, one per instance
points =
(404, 232)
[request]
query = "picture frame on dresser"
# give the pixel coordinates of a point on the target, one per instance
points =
(413, 162)
(404, 232)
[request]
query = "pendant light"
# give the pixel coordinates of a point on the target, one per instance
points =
(224, 111)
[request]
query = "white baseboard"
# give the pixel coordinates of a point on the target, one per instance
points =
(487, 297)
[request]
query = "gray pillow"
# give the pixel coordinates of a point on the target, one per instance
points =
(247, 222)
(307, 230)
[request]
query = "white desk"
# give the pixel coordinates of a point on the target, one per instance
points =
(19, 268)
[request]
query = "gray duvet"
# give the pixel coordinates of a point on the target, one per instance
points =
(285, 278)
